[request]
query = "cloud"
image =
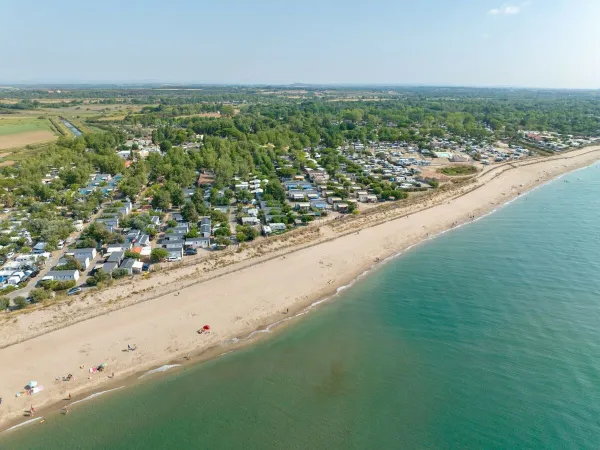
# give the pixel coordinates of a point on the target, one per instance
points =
(508, 10)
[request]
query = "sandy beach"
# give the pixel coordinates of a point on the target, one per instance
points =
(236, 292)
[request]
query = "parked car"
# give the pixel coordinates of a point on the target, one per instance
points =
(174, 258)
(146, 267)
(74, 291)
(191, 251)
(10, 255)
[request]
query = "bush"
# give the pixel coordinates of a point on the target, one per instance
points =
(4, 302)
(119, 273)
(99, 277)
(39, 295)
(130, 254)
(20, 302)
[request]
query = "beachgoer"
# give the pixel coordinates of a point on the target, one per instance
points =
(69, 396)
(31, 410)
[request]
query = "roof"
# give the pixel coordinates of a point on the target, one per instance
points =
(59, 273)
(128, 263)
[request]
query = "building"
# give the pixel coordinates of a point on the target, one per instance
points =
(199, 242)
(62, 275)
(205, 227)
(89, 253)
(116, 257)
(132, 266)
(40, 247)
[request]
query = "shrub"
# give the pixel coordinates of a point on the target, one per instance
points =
(20, 302)
(119, 273)
(4, 302)
(38, 295)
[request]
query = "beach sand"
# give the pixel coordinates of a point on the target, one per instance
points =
(160, 315)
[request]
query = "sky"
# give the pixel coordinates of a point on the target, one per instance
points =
(538, 43)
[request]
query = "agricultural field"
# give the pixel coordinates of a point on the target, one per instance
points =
(22, 131)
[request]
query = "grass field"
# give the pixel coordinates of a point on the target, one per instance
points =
(459, 170)
(22, 131)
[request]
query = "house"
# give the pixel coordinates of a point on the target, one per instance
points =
(132, 266)
(250, 221)
(205, 227)
(111, 248)
(177, 217)
(175, 252)
(62, 275)
(341, 207)
(276, 226)
(109, 266)
(155, 221)
(89, 253)
(371, 198)
(198, 242)
(172, 243)
(78, 224)
(84, 261)
(111, 223)
(40, 247)
(303, 206)
(333, 200)
(362, 196)
(116, 256)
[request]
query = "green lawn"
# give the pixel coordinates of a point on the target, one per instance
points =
(10, 125)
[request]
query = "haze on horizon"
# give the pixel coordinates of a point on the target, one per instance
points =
(540, 43)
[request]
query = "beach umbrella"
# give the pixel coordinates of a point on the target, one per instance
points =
(206, 327)
(32, 384)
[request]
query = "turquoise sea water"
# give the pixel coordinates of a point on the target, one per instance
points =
(486, 337)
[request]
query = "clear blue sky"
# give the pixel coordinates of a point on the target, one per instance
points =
(539, 43)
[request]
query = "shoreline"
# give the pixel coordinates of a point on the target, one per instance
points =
(267, 318)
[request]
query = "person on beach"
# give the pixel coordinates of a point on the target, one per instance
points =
(69, 396)
(31, 411)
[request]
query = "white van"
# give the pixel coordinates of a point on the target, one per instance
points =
(61, 245)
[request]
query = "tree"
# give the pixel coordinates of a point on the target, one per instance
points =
(177, 197)
(20, 302)
(159, 254)
(70, 264)
(165, 146)
(189, 212)
(161, 200)
(275, 189)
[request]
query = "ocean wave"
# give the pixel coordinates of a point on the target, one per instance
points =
(27, 422)
(159, 370)
(96, 394)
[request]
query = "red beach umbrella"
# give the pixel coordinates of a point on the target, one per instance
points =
(206, 327)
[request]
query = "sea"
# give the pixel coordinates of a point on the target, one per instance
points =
(487, 336)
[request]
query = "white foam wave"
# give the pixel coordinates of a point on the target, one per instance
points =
(27, 422)
(160, 369)
(97, 394)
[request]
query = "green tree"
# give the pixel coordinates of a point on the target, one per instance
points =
(159, 254)
(161, 200)
(189, 212)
